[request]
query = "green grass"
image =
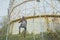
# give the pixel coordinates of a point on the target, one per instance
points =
(46, 36)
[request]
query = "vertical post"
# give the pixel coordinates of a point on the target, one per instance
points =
(46, 18)
(52, 6)
(9, 14)
(7, 26)
(54, 19)
(8, 19)
(42, 23)
(33, 18)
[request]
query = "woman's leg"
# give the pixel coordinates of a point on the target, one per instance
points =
(19, 29)
(24, 31)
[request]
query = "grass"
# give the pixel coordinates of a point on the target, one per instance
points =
(46, 36)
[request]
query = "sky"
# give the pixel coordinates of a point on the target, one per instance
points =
(4, 4)
(3, 7)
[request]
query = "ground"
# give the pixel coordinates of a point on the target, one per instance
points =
(44, 36)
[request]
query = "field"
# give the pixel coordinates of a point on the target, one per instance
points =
(44, 36)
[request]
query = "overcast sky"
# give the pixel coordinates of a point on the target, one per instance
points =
(3, 7)
(4, 4)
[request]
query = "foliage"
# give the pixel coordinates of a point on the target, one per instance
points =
(4, 25)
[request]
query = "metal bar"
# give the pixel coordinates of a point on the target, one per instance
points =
(30, 17)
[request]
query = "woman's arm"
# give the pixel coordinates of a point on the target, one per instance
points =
(20, 21)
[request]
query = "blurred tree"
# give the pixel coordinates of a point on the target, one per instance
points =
(4, 25)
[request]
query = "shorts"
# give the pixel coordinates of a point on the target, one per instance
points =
(22, 27)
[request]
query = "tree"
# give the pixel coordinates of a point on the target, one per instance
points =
(3, 30)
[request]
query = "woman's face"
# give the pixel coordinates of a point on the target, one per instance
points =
(23, 18)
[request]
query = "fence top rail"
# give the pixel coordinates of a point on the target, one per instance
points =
(38, 16)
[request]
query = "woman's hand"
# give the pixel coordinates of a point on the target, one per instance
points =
(19, 21)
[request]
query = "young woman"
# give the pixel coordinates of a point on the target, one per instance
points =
(23, 24)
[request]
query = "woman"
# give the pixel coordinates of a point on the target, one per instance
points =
(23, 22)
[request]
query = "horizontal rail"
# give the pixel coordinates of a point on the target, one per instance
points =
(38, 16)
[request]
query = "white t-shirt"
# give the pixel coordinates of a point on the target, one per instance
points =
(23, 23)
